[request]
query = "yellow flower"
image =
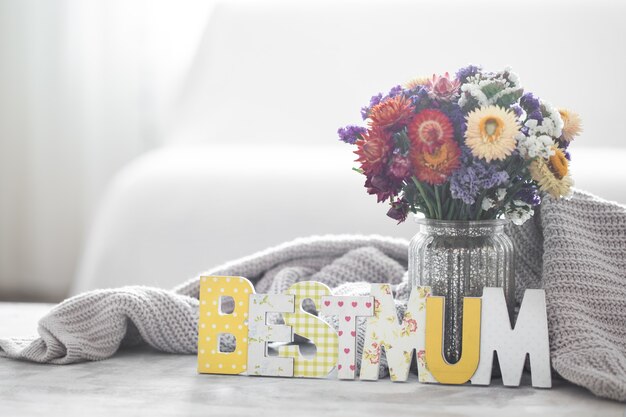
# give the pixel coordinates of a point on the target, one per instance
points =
(416, 82)
(491, 133)
(553, 175)
(572, 125)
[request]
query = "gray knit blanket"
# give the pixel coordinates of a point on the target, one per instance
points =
(574, 249)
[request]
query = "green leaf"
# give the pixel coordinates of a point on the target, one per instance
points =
(510, 98)
(402, 141)
(492, 89)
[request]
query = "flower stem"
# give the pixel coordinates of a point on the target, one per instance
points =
(424, 196)
(438, 198)
(510, 195)
(479, 205)
(450, 210)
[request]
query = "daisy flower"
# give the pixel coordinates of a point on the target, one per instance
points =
(491, 133)
(552, 175)
(429, 127)
(416, 82)
(435, 166)
(572, 125)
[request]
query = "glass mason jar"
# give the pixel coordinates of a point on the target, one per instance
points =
(458, 259)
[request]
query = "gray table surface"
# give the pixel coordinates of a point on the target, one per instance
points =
(142, 381)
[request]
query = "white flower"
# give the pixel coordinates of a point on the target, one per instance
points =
(554, 119)
(506, 81)
(531, 124)
(551, 125)
(518, 212)
(513, 78)
(474, 91)
(487, 204)
(500, 193)
(533, 146)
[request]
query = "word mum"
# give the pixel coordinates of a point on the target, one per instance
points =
(486, 329)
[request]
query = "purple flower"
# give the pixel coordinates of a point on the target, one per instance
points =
(365, 111)
(536, 114)
(376, 99)
(530, 103)
(420, 99)
(517, 110)
(395, 91)
(529, 195)
(457, 117)
(474, 177)
(464, 73)
(350, 134)
(532, 106)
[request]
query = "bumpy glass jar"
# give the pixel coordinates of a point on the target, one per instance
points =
(458, 259)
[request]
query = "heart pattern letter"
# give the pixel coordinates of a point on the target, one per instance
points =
(347, 309)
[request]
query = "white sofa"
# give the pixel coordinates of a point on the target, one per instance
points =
(253, 158)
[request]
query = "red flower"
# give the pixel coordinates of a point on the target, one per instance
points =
(429, 127)
(391, 113)
(435, 166)
(373, 151)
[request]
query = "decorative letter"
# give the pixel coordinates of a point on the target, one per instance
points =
(347, 309)
(462, 371)
(213, 322)
(313, 328)
(259, 333)
(398, 340)
(530, 336)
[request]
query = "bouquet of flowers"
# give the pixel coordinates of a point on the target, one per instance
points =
(470, 147)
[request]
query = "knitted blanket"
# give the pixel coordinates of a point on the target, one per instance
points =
(575, 249)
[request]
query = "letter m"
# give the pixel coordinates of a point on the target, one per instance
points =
(530, 336)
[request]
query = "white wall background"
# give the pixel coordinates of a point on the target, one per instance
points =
(85, 86)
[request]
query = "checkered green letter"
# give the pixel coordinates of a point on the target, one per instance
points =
(313, 328)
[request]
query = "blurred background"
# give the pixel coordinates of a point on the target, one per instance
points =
(144, 141)
(85, 87)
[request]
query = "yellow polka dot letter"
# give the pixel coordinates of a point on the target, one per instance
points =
(224, 303)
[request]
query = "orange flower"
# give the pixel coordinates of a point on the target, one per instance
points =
(435, 166)
(572, 125)
(428, 128)
(391, 113)
(373, 150)
(558, 164)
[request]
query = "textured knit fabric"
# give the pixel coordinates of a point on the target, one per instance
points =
(575, 249)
